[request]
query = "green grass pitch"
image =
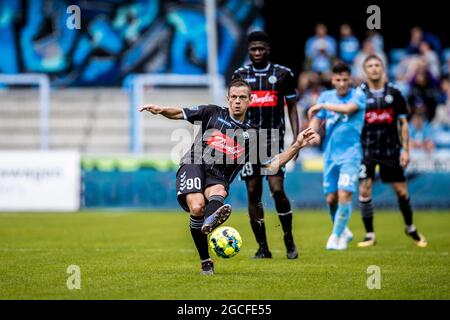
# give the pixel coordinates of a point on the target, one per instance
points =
(151, 256)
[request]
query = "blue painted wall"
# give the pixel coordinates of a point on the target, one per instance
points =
(153, 189)
(119, 37)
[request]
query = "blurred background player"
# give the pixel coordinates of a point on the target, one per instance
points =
(272, 86)
(205, 173)
(385, 141)
(342, 109)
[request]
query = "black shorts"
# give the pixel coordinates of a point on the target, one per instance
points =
(250, 170)
(390, 170)
(195, 178)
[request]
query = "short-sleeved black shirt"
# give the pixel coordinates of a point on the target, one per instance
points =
(270, 87)
(380, 138)
(223, 144)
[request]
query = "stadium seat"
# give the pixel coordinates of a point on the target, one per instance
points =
(396, 54)
(392, 70)
(445, 55)
(442, 137)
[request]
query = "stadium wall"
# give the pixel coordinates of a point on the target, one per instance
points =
(151, 185)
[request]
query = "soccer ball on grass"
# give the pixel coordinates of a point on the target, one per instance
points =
(225, 242)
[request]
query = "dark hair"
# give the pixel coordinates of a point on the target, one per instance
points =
(373, 56)
(258, 36)
(340, 67)
(239, 83)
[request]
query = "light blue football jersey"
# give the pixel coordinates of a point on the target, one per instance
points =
(343, 131)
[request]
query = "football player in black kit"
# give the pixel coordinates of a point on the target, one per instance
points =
(385, 140)
(272, 86)
(218, 153)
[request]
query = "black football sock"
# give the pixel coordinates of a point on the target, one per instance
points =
(406, 209)
(367, 209)
(283, 208)
(259, 229)
(200, 239)
(214, 203)
(286, 222)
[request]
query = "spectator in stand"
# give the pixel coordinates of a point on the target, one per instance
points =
(417, 36)
(441, 122)
(348, 44)
(445, 91)
(320, 50)
(415, 40)
(424, 91)
(446, 67)
(421, 133)
(309, 89)
(377, 40)
(367, 50)
(405, 71)
(431, 58)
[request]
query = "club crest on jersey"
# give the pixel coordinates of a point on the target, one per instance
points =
(388, 98)
(272, 79)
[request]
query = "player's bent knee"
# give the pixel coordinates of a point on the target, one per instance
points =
(401, 191)
(365, 194)
(344, 196)
(197, 209)
(403, 194)
(216, 190)
(196, 204)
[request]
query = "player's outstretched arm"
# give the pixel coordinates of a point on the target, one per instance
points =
(174, 113)
(307, 137)
(341, 108)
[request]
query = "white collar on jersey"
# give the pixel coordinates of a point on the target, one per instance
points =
(261, 70)
(375, 91)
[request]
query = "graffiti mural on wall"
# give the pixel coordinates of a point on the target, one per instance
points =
(118, 37)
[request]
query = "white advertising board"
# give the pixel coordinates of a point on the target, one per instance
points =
(39, 181)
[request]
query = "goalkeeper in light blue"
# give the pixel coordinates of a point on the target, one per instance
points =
(342, 110)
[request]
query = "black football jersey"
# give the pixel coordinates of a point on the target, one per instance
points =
(223, 145)
(380, 137)
(270, 87)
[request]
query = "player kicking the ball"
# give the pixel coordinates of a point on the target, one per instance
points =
(217, 155)
(342, 110)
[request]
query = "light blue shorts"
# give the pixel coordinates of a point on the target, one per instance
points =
(340, 176)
